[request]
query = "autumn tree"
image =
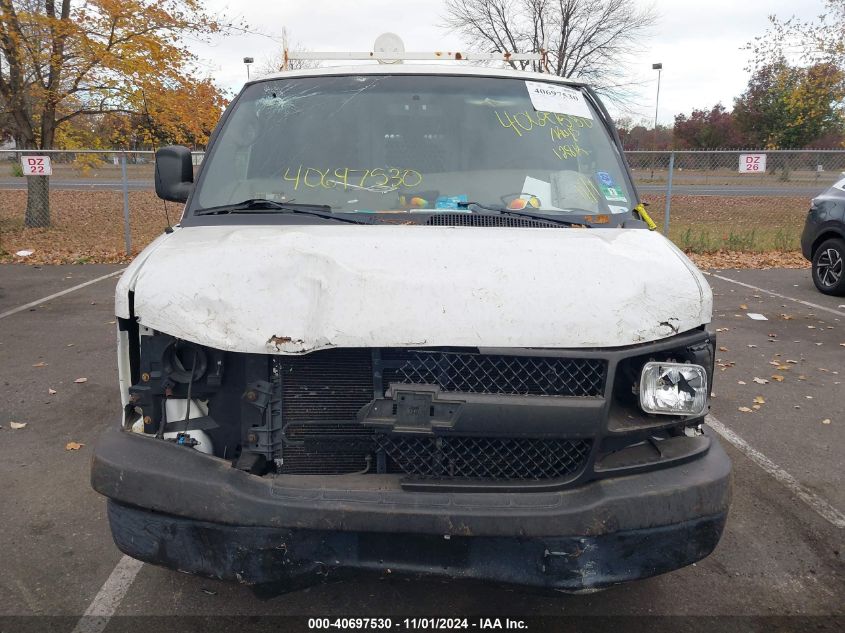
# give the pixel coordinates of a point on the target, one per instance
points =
(185, 114)
(587, 39)
(787, 106)
(795, 95)
(708, 129)
(641, 136)
(65, 59)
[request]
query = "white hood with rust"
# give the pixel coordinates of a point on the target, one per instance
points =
(294, 289)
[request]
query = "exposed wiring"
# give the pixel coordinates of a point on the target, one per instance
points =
(369, 460)
(190, 385)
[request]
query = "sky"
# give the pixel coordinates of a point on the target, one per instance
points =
(698, 42)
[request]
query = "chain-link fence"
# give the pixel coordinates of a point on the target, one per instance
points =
(79, 206)
(100, 205)
(750, 200)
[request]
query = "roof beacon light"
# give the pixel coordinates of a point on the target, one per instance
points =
(389, 43)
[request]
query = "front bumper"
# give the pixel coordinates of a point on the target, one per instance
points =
(295, 558)
(175, 507)
(808, 236)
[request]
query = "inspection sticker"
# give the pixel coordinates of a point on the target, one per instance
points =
(613, 194)
(555, 98)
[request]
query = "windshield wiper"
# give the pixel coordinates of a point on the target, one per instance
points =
(254, 205)
(501, 210)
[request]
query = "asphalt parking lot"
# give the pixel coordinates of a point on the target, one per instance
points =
(781, 554)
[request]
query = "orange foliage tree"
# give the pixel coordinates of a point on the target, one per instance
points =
(61, 60)
(185, 114)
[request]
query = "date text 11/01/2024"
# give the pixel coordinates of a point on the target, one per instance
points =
(414, 624)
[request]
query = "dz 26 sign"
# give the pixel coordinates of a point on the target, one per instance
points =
(36, 166)
(752, 163)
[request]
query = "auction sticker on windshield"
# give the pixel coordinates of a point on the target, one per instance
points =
(560, 99)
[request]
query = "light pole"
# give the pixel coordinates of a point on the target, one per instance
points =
(248, 61)
(658, 67)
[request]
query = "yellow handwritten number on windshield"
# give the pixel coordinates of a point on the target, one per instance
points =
(349, 178)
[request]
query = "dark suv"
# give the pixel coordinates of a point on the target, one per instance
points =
(823, 240)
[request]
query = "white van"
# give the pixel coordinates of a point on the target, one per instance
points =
(413, 318)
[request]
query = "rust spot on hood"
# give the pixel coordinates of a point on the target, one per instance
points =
(278, 341)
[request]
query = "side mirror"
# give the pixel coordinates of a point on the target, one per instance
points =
(174, 173)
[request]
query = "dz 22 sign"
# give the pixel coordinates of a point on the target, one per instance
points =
(752, 163)
(36, 166)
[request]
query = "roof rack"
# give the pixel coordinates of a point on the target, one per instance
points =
(389, 49)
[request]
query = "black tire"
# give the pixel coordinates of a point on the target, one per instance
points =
(829, 267)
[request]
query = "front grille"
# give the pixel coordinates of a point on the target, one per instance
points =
(484, 457)
(495, 374)
(327, 385)
(321, 393)
(482, 220)
(327, 448)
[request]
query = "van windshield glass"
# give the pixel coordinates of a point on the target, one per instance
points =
(385, 143)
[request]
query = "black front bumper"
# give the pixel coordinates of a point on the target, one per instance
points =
(294, 557)
(175, 507)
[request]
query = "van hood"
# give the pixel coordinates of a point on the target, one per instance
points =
(295, 289)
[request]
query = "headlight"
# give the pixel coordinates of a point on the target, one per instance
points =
(673, 389)
(179, 359)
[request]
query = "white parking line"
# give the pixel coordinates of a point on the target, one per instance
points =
(822, 507)
(777, 294)
(105, 603)
(33, 304)
(108, 599)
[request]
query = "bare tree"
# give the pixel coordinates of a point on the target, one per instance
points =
(592, 40)
(276, 62)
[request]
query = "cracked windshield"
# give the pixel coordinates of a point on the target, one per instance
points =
(376, 144)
